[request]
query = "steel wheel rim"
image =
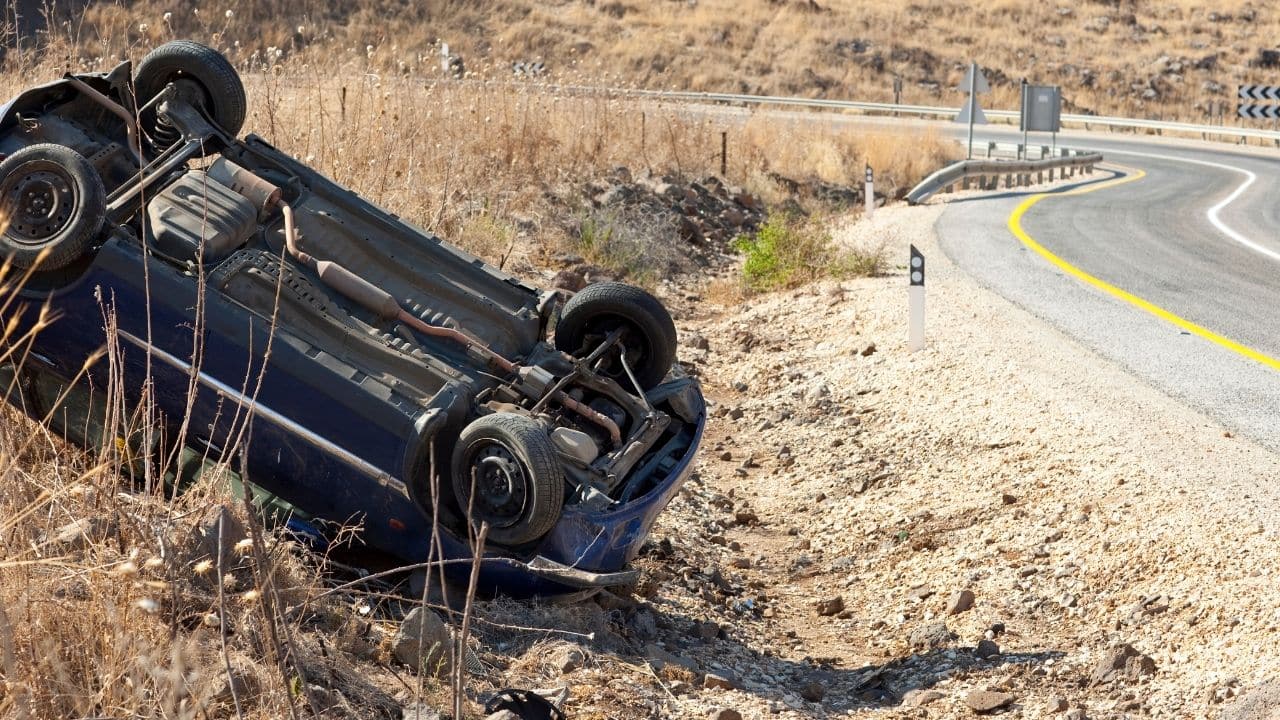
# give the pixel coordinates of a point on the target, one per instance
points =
(501, 489)
(39, 200)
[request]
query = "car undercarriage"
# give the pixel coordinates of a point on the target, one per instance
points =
(364, 370)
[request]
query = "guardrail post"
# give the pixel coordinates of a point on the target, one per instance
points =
(1051, 174)
(1021, 149)
(1039, 177)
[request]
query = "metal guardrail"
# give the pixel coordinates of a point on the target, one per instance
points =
(931, 111)
(1015, 172)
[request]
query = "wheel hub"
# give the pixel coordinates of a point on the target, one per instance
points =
(190, 91)
(39, 201)
(627, 347)
(500, 486)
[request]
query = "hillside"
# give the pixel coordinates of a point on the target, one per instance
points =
(1135, 57)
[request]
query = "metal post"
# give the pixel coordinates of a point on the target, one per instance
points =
(1023, 115)
(724, 154)
(973, 100)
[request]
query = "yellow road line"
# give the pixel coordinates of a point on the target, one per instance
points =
(1015, 226)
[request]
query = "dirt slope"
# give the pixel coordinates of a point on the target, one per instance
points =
(847, 499)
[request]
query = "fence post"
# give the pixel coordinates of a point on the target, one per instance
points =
(724, 153)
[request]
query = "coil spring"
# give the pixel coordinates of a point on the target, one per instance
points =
(165, 135)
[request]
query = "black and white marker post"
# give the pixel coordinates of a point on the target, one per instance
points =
(915, 337)
(871, 192)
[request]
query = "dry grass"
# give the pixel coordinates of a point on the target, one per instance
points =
(494, 165)
(1104, 54)
(501, 168)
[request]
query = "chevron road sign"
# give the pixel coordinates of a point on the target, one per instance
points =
(1258, 112)
(1258, 92)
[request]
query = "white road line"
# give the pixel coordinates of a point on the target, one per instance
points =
(1213, 212)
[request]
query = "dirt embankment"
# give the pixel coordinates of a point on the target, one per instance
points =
(1000, 521)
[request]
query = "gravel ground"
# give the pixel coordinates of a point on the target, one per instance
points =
(1002, 520)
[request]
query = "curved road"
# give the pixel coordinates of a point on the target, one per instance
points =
(1192, 229)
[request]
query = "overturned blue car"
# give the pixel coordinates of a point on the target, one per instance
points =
(246, 308)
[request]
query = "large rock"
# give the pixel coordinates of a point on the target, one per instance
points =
(424, 642)
(918, 698)
(1122, 662)
(961, 601)
(931, 637)
(660, 658)
(984, 701)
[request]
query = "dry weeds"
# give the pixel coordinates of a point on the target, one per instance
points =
(1105, 55)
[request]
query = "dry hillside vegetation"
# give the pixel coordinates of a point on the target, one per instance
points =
(1136, 57)
(521, 172)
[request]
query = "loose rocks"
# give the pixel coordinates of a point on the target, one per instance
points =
(1122, 662)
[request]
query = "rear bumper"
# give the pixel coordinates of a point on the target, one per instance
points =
(586, 550)
(604, 542)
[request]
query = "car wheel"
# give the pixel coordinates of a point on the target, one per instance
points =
(201, 76)
(648, 334)
(52, 202)
(519, 484)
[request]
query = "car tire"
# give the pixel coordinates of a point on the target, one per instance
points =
(519, 481)
(201, 73)
(649, 336)
(52, 202)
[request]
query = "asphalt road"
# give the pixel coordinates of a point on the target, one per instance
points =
(1193, 231)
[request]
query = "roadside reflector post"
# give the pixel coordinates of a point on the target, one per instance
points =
(915, 336)
(871, 192)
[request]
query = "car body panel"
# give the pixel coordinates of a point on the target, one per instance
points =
(316, 399)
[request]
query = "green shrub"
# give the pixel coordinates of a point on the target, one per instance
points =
(788, 251)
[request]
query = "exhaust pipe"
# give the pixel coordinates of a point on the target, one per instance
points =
(381, 303)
